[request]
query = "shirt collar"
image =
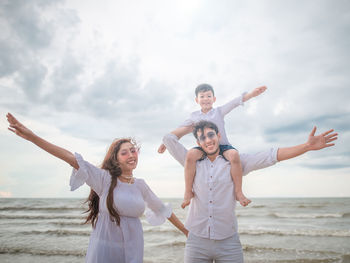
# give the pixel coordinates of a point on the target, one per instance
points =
(202, 113)
(207, 159)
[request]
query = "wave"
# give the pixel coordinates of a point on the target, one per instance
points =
(41, 252)
(296, 232)
(295, 215)
(162, 231)
(309, 215)
(254, 206)
(308, 206)
(68, 223)
(335, 259)
(40, 217)
(49, 208)
(58, 232)
(346, 215)
(316, 256)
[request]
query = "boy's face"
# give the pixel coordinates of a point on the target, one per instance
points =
(205, 99)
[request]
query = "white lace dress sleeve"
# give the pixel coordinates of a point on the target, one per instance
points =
(156, 211)
(88, 173)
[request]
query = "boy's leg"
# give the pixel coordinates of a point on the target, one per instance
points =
(192, 157)
(236, 173)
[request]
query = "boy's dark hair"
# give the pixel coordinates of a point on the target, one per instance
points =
(201, 125)
(203, 88)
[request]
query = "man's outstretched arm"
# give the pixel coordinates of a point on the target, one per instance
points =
(264, 159)
(175, 148)
(313, 143)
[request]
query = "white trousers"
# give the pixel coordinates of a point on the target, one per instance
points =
(204, 250)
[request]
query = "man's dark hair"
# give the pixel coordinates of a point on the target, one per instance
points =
(201, 125)
(203, 88)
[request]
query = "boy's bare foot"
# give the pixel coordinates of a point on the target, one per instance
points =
(161, 148)
(244, 201)
(187, 199)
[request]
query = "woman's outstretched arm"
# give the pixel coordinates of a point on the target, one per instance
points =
(18, 128)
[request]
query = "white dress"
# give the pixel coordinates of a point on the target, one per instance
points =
(108, 241)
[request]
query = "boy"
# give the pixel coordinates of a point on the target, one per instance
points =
(205, 98)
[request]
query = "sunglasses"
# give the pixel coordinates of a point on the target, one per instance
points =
(210, 135)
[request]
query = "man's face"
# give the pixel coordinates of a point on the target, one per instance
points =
(205, 100)
(209, 141)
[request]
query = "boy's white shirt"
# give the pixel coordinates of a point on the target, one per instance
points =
(215, 115)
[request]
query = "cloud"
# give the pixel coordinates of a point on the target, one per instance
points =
(328, 166)
(30, 28)
(31, 79)
(337, 122)
(9, 59)
(25, 33)
(27, 24)
(64, 83)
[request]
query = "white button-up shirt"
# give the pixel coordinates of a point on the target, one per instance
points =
(215, 115)
(212, 210)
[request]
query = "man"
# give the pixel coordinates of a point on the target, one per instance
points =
(211, 219)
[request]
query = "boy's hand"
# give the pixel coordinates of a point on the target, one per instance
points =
(258, 91)
(254, 93)
(161, 148)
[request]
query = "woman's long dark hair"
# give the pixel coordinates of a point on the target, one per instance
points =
(109, 163)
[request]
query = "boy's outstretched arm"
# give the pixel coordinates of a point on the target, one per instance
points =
(313, 143)
(255, 92)
(179, 132)
(228, 107)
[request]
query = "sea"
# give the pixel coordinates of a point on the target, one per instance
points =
(271, 230)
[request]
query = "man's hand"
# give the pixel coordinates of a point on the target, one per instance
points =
(321, 141)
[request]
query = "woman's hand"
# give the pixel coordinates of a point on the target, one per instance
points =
(185, 231)
(18, 128)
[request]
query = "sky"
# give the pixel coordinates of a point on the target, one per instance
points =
(80, 73)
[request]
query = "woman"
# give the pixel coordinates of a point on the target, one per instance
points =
(116, 200)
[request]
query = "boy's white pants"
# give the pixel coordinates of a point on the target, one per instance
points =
(204, 250)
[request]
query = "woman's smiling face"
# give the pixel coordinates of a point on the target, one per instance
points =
(127, 157)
